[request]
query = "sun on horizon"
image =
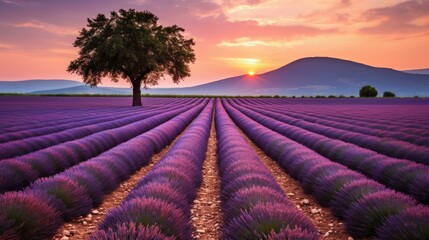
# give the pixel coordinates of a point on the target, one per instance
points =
(251, 73)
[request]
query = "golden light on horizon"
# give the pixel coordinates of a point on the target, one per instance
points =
(251, 73)
(251, 61)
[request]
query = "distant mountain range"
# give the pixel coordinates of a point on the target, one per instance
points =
(84, 89)
(28, 86)
(418, 71)
(306, 76)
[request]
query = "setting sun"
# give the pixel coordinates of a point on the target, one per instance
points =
(251, 73)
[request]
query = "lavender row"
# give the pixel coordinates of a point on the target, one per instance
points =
(400, 133)
(39, 210)
(160, 204)
(353, 125)
(19, 172)
(382, 111)
(412, 118)
(70, 118)
(401, 175)
(253, 204)
(376, 120)
(56, 111)
(408, 117)
(25, 146)
(41, 118)
(342, 101)
(402, 150)
(368, 208)
(20, 113)
(89, 120)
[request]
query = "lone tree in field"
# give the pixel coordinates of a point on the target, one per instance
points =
(133, 46)
(368, 91)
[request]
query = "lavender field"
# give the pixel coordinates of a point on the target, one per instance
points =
(361, 168)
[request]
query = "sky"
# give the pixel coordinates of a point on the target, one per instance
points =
(233, 37)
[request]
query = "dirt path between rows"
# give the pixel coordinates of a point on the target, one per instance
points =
(206, 211)
(328, 226)
(83, 227)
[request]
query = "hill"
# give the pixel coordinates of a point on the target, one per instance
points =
(27, 86)
(320, 76)
(306, 76)
(418, 71)
(85, 89)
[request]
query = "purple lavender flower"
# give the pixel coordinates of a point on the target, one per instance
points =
(420, 189)
(103, 174)
(15, 174)
(370, 213)
(93, 188)
(72, 194)
(130, 231)
(411, 223)
(247, 181)
(264, 219)
(292, 234)
(318, 171)
(170, 220)
(351, 193)
(247, 198)
(28, 215)
(160, 191)
(328, 186)
(407, 176)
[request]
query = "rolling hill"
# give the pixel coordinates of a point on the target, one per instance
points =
(27, 86)
(306, 76)
(320, 76)
(418, 71)
(84, 89)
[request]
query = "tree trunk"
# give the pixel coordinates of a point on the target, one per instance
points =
(137, 97)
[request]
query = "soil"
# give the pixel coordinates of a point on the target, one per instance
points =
(206, 211)
(84, 226)
(328, 226)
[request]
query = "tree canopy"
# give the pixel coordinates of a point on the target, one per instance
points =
(368, 91)
(132, 45)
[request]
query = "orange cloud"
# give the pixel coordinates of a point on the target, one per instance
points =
(48, 27)
(247, 42)
(6, 46)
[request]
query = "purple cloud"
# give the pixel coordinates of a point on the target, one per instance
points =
(408, 17)
(336, 13)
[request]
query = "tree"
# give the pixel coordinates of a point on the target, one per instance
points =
(131, 45)
(388, 94)
(368, 91)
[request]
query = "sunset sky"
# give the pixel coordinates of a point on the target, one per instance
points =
(233, 37)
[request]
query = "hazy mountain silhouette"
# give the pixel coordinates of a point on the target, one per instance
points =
(306, 76)
(320, 75)
(27, 86)
(85, 89)
(418, 71)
